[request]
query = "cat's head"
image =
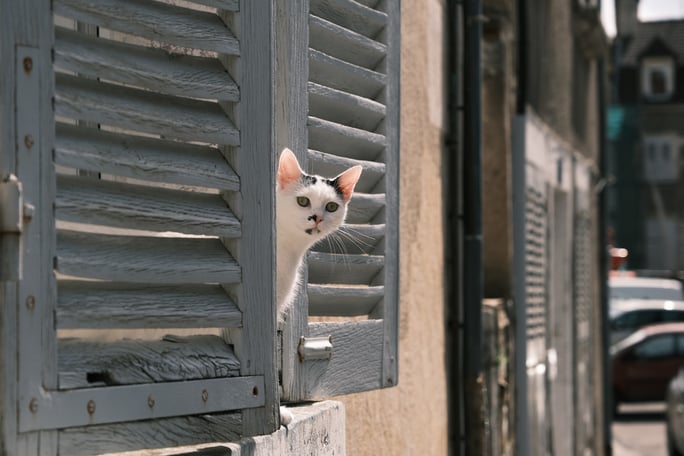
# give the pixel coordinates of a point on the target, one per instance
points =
(311, 206)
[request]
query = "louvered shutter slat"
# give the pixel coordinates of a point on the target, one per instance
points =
(344, 108)
(143, 67)
(338, 74)
(123, 205)
(143, 111)
(343, 140)
(331, 39)
(325, 268)
(92, 305)
(154, 20)
(355, 239)
(352, 15)
(331, 165)
(145, 259)
(364, 207)
(86, 363)
(326, 300)
(143, 158)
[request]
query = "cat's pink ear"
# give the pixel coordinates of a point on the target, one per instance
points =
(288, 168)
(347, 181)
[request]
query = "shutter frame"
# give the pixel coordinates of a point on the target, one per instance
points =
(364, 353)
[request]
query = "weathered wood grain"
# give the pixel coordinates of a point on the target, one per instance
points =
(144, 111)
(352, 15)
(346, 141)
(365, 208)
(160, 433)
(144, 259)
(325, 268)
(94, 305)
(355, 239)
(331, 165)
(344, 108)
(155, 21)
(344, 44)
(144, 67)
(228, 5)
(143, 158)
(333, 72)
(332, 301)
(86, 363)
(356, 363)
(98, 202)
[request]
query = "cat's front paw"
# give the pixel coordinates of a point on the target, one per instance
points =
(286, 416)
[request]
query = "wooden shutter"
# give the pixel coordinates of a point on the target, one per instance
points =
(343, 337)
(156, 215)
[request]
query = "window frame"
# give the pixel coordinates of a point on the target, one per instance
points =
(651, 66)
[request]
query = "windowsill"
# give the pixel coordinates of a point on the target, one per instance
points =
(317, 428)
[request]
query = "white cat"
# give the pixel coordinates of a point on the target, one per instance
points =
(308, 208)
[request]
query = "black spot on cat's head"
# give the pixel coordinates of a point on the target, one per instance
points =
(309, 180)
(336, 185)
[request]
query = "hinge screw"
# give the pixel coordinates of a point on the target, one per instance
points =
(29, 211)
(31, 303)
(33, 405)
(28, 64)
(205, 395)
(91, 407)
(28, 141)
(150, 402)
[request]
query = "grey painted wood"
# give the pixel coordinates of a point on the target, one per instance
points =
(93, 201)
(86, 363)
(145, 259)
(345, 44)
(143, 111)
(356, 364)
(325, 268)
(329, 301)
(159, 433)
(390, 305)
(338, 74)
(331, 165)
(364, 207)
(255, 165)
(87, 304)
(292, 41)
(351, 14)
(343, 140)
(155, 21)
(143, 158)
(144, 67)
(26, 91)
(344, 108)
(355, 239)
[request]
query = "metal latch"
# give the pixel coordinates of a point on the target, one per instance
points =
(10, 228)
(311, 348)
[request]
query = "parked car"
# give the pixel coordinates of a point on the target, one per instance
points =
(644, 362)
(627, 288)
(674, 415)
(630, 315)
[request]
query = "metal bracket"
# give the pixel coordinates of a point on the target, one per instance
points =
(10, 228)
(315, 348)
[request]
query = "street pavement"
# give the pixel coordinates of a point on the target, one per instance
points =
(640, 430)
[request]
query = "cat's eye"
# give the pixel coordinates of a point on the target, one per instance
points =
(303, 201)
(331, 206)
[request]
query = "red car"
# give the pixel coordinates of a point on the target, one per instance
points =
(644, 363)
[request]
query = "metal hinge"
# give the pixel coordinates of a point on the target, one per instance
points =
(315, 348)
(11, 223)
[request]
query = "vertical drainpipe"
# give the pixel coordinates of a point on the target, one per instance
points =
(463, 204)
(472, 228)
(521, 420)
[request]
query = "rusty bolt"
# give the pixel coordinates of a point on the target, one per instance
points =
(205, 395)
(28, 64)
(91, 407)
(33, 405)
(150, 401)
(31, 303)
(28, 141)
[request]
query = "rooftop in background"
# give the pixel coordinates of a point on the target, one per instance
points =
(662, 37)
(649, 10)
